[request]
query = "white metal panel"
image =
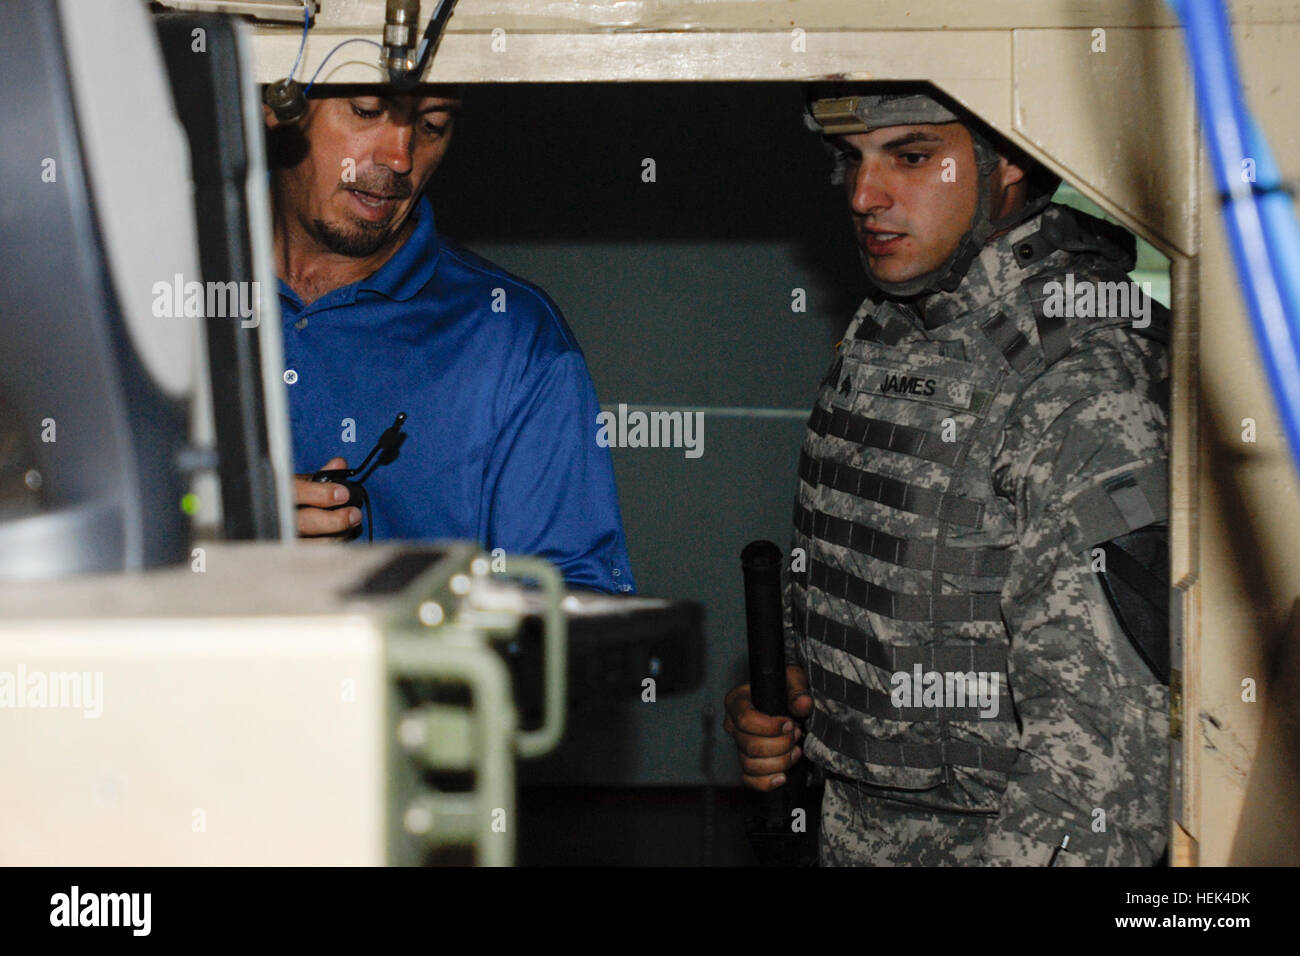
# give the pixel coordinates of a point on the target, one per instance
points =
(235, 741)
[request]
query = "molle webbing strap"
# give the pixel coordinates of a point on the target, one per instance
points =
(1010, 341)
(964, 656)
(874, 433)
(1053, 331)
(923, 756)
(889, 332)
(828, 685)
(892, 492)
(904, 552)
(974, 606)
(1118, 505)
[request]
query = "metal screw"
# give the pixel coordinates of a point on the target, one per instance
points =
(431, 613)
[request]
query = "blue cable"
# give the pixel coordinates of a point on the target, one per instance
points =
(1263, 233)
(1275, 206)
(302, 45)
(331, 53)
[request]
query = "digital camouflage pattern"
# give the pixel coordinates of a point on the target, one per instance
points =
(961, 464)
(859, 829)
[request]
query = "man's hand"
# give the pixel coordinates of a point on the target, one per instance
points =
(320, 514)
(767, 744)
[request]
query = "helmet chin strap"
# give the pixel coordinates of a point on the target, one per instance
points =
(948, 276)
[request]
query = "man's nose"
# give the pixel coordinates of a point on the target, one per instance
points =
(394, 149)
(869, 192)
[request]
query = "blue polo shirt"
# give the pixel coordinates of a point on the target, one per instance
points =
(500, 441)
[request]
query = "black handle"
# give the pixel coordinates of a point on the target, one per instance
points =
(761, 562)
(769, 826)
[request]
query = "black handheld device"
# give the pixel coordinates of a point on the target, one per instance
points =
(358, 496)
(760, 561)
(771, 829)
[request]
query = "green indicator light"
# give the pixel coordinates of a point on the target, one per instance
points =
(190, 504)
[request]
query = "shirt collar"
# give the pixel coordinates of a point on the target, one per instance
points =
(413, 265)
(400, 278)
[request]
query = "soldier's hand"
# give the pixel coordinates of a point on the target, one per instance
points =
(768, 745)
(320, 514)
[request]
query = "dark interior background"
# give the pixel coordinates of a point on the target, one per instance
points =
(680, 292)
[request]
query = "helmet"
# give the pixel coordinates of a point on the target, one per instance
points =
(840, 114)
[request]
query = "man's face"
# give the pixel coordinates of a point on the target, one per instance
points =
(368, 159)
(912, 192)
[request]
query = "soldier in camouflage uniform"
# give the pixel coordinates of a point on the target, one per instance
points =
(989, 433)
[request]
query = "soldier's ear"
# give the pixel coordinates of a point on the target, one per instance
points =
(1009, 172)
(1010, 187)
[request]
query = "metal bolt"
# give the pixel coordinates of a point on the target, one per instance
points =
(431, 613)
(418, 819)
(412, 732)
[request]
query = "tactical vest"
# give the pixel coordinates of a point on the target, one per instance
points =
(906, 545)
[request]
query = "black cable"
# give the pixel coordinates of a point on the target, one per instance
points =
(432, 34)
(369, 514)
(386, 441)
(355, 480)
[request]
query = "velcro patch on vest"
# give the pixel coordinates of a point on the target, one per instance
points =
(1122, 503)
(921, 385)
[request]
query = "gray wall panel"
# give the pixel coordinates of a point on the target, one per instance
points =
(680, 293)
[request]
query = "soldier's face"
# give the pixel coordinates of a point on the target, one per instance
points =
(912, 191)
(365, 163)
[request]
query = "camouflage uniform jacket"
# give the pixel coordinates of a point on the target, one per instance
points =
(962, 463)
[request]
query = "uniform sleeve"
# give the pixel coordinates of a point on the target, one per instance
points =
(793, 649)
(1093, 759)
(552, 486)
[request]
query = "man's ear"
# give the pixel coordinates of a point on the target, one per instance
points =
(269, 117)
(1009, 172)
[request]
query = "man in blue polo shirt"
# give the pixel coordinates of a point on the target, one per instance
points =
(383, 316)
